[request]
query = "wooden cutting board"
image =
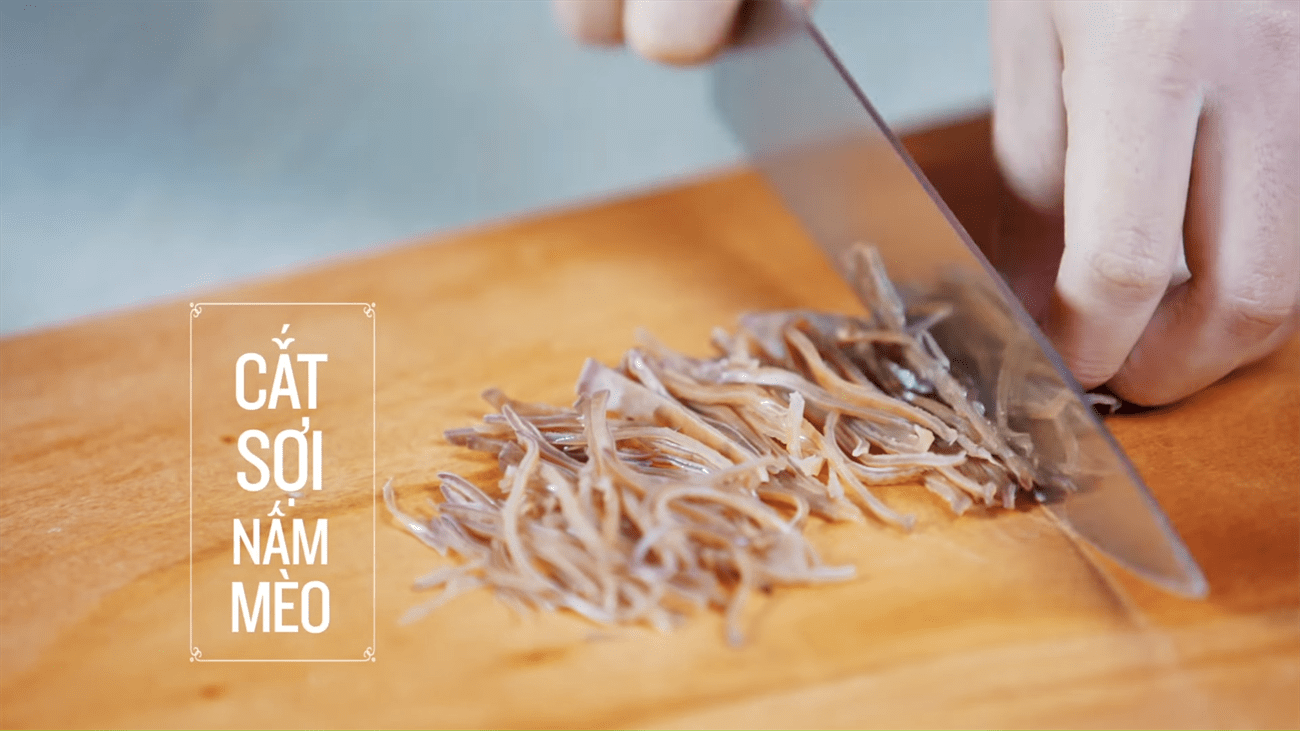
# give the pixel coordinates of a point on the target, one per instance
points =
(982, 621)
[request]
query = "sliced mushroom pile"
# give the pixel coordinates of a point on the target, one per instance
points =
(677, 483)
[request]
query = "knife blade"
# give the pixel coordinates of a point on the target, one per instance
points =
(835, 164)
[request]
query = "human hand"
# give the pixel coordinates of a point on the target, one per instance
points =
(1179, 185)
(1165, 132)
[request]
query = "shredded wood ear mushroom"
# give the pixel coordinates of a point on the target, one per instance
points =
(677, 483)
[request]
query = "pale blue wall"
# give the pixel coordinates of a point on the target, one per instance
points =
(147, 148)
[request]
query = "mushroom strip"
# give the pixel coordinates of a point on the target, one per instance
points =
(677, 482)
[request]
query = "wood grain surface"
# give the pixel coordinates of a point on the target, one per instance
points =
(984, 621)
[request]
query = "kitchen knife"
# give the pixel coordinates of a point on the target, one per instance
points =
(839, 169)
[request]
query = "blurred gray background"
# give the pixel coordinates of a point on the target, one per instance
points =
(149, 148)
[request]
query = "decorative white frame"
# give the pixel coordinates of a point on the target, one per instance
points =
(368, 655)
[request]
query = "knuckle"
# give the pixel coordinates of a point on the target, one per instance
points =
(1276, 28)
(1254, 316)
(1160, 43)
(1089, 370)
(1092, 374)
(1171, 79)
(1129, 274)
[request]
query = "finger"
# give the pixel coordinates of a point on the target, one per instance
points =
(1131, 111)
(598, 22)
(678, 31)
(1243, 250)
(1028, 109)
(1029, 142)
